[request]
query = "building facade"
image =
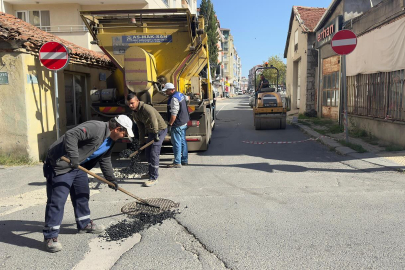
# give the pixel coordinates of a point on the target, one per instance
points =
(62, 18)
(329, 86)
(230, 62)
(302, 58)
(251, 78)
(27, 121)
(376, 74)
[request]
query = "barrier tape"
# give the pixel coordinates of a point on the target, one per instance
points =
(291, 142)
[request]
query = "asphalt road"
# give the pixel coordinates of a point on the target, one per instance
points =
(243, 206)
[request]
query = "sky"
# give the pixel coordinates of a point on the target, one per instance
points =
(260, 27)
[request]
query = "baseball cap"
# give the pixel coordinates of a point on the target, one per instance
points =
(126, 122)
(168, 86)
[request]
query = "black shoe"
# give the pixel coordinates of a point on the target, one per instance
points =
(184, 163)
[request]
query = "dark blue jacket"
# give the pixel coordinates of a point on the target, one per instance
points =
(81, 141)
(182, 117)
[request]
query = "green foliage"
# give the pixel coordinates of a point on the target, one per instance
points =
(336, 128)
(211, 27)
(302, 116)
(355, 147)
(271, 74)
(15, 160)
(362, 134)
(394, 148)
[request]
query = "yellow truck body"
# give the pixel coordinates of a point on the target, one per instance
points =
(152, 47)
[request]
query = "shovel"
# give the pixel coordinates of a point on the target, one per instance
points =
(136, 152)
(111, 184)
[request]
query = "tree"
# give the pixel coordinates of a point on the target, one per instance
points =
(271, 74)
(211, 27)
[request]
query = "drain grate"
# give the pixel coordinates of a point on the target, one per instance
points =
(134, 208)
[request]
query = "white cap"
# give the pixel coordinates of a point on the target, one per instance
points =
(168, 86)
(126, 122)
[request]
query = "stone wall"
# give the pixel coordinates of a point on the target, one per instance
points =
(312, 64)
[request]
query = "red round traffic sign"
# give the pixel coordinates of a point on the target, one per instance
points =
(344, 42)
(54, 55)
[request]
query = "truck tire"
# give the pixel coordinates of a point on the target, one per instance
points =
(283, 122)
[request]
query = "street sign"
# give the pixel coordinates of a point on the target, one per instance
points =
(344, 42)
(54, 56)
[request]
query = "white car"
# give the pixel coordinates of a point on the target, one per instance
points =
(252, 100)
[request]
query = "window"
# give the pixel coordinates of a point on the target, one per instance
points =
(296, 40)
(226, 47)
(38, 18)
(226, 67)
(330, 89)
(22, 15)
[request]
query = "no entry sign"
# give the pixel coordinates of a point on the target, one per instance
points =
(54, 56)
(344, 42)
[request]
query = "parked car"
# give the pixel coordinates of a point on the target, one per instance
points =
(252, 100)
(240, 92)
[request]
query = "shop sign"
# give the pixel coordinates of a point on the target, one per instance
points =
(324, 35)
(3, 78)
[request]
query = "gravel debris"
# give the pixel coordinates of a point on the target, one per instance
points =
(135, 168)
(134, 224)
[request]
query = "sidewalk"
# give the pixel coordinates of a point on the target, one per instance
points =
(375, 154)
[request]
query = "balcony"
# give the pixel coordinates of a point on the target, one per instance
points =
(64, 28)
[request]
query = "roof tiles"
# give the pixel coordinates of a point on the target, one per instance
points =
(32, 38)
(308, 16)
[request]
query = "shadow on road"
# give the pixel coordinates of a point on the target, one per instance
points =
(235, 127)
(266, 167)
(15, 232)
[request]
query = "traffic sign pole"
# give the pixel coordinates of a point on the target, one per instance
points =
(343, 43)
(55, 76)
(54, 56)
(345, 98)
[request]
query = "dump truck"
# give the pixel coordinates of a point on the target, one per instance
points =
(149, 48)
(269, 111)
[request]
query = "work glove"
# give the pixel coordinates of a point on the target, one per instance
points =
(156, 139)
(74, 162)
(115, 187)
(169, 129)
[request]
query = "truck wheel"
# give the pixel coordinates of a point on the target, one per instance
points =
(283, 122)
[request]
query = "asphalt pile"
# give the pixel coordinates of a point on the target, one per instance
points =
(134, 224)
(135, 168)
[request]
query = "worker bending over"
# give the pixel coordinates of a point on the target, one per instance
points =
(149, 122)
(86, 144)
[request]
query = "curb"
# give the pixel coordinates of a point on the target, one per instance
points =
(347, 151)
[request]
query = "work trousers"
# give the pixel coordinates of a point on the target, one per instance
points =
(152, 153)
(179, 143)
(58, 187)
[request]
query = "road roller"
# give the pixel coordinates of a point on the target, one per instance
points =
(268, 110)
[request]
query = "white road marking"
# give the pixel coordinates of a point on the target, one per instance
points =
(103, 254)
(221, 109)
